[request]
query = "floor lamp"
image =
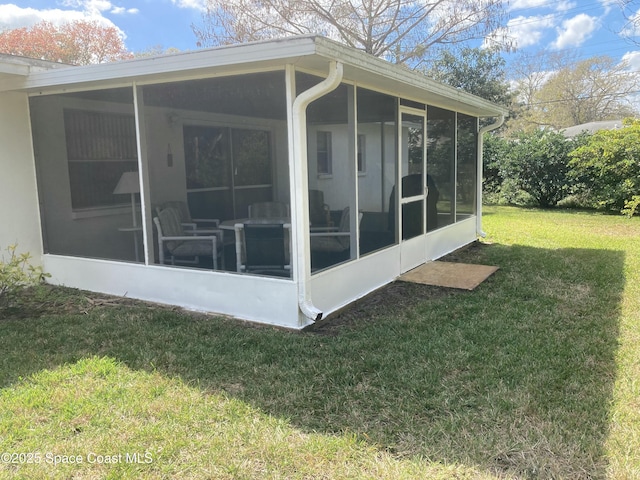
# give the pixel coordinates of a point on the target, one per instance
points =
(129, 183)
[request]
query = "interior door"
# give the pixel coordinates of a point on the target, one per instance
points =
(413, 192)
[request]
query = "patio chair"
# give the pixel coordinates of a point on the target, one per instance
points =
(333, 239)
(319, 212)
(203, 226)
(178, 246)
(269, 210)
(263, 248)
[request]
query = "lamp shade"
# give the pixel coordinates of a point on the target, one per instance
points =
(129, 183)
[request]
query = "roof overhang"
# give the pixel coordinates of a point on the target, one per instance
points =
(309, 53)
(14, 70)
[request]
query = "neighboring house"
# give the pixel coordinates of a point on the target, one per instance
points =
(98, 159)
(591, 127)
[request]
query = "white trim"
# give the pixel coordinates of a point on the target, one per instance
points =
(341, 285)
(247, 297)
(207, 62)
(308, 52)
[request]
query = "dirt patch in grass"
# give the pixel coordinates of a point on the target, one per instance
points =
(395, 296)
(384, 301)
(54, 300)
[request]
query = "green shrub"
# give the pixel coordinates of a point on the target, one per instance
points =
(16, 274)
(632, 206)
(608, 167)
(538, 164)
(495, 150)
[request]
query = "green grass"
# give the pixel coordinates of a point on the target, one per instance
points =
(532, 375)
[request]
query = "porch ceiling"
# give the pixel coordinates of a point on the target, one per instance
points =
(310, 53)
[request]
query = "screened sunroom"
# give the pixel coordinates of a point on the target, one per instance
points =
(275, 182)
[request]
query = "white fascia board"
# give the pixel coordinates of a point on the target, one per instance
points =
(179, 65)
(13, 72)
(13, 69)
(308, 51)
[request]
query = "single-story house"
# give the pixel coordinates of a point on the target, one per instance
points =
(592, 127)
(275, 181)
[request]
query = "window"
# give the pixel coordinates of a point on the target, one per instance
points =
(361, 154)
(100, 148)
(324, 153)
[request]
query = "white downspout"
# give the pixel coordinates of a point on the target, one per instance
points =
(498, 123)
(300, 213)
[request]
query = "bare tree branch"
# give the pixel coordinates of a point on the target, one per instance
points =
(398, 30)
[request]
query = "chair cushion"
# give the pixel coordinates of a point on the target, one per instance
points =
(171, 226)
(193, 248)
(329, 243)
(181, 208)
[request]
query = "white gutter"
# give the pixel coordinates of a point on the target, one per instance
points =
(498, 123)
(300, 204)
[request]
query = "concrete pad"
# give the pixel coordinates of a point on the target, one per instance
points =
(449, 274)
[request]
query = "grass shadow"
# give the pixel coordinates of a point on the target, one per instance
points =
(515, 377)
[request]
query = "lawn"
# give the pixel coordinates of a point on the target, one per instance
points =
(535, 374)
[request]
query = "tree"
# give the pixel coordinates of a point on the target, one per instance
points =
(154, 51)
(399, 30)
(539, 164)
(495, 149)
(631, 14)
(528, 74)
(480, 71)
(591, 90)
(78, 43)
(608, 165)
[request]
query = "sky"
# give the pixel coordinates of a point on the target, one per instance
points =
(585, 28)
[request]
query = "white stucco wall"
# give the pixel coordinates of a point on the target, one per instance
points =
(19, 215)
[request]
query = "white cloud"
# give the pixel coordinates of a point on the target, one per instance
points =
(609, 4)
(12, 16)
(558, 5)
(632, 29)
(123, 11)
(523, 4)
(575, 31)
(195, 4)
(632, 60)
(564, 6)
(97, 7)
(525, 31)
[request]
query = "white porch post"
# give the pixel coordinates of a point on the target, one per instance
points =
(143, 169)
